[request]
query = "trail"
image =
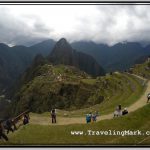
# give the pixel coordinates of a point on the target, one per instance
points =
(81, 120)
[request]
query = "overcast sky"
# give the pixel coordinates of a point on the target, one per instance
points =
(28, 24)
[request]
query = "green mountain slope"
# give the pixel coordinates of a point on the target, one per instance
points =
(45, 86)
(63, 53)
(49, 86)
(120, 56)
(142, 69)
(15, 60)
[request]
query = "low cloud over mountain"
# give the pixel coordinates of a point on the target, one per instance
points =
(108, 24)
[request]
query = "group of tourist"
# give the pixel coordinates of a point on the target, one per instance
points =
(119, 112)
(10, 125)
(91, 117)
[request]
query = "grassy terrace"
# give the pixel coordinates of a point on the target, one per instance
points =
(34, 134)
(39, 134)
(132, 90)
(142, 69)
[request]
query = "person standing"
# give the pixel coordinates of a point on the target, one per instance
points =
(53, 115)
(9, 126)
(26, 119)
(2, 133)
(88, 118)
(13, 124)
(94, 116)
(119, 110)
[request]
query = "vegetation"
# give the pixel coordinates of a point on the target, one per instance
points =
(55, 135)
(45, 85)
(63, 53)
(120, 56)
(74, 93)
(4, 105)
(142, 69)
(64, 87)
(126, 97)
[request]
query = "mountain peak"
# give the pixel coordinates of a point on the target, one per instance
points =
(63, 53)
(2, 45)
(62, 40)
(63, 44)
(38, 60)
(62, 47)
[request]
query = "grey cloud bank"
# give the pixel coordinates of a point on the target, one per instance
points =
(109, 24)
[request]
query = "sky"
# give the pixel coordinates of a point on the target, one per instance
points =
(108, 24)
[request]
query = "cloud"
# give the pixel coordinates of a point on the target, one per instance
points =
(113, 24)
(14, 31)
(108, 24)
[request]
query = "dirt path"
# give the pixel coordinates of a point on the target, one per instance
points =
(81, 120)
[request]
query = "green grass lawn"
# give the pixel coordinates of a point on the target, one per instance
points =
(61, 134)
(89, 81)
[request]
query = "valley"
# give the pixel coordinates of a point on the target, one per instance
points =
(64, 82)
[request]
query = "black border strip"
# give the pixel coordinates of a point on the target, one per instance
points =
(69, 1)
(74, 2)
(74, 146)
